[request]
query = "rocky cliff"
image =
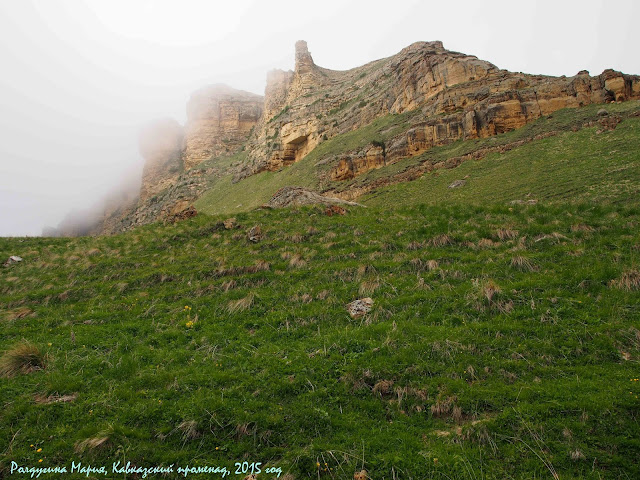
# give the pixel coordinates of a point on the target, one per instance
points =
(458, 97)
(219, 119)
(160, 145)
(442, 96)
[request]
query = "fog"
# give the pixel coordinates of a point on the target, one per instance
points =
(79, 78)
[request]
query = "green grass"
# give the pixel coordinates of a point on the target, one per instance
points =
(228, 198)
(513, 355)
(572, 166)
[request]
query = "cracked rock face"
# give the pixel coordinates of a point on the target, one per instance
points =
(359, 308)
(297, 196)
(219, 119)
(456, 96)
(160, 145)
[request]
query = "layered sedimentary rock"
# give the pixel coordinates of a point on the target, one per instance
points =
(499, 103)
(160, 144)
(428, 96)
(219, 119)
(456, 96)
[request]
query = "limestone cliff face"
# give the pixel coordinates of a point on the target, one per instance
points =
(311, 104)
(160, 145)
(219, 119)
(500, 102)
(458, 97)
(444, 96)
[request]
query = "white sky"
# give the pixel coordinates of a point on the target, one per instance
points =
(78, 78)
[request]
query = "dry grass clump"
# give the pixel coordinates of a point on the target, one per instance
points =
(54, 398)
(22, 312)
(100, 440)
(297, 261)
(486, 295)
(441, 240)
(552, 236)
(630, 280)
(504, 234)
(244, 430)
(576, 455)
(23, 358)
(446, 407)
(383, 387)
(581, 227)
(261, 266)
(297, 238)
(323, 295)
(522, 263)
(241, 305)
(229, 285)
(490, 289)
(416, 264)
(189, 429)
(367, 287)
(414, 246)
(486, 243)
(432, 265)
(304, 298)
(365, 269)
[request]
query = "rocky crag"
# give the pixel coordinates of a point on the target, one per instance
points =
(446, 96)
(455, 97)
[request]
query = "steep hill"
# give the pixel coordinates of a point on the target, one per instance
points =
(350, 123)
(503, 340)
(474, 315)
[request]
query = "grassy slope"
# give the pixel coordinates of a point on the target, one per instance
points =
(226, 197)
(506, 387)
(570, 167)
(537, 377)
(576, 160)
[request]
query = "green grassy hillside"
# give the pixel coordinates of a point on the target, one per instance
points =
(503, 341)
(576, 164)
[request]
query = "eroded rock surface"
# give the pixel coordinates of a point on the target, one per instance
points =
(297, 196)
(160, 145)
(219, 119)
(455, 96)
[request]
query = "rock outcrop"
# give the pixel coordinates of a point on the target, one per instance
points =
(160, 145)
(456, 96)
(424, 96)
(298, 196)
(219, 120)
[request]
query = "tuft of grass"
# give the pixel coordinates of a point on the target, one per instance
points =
(241, 305)
(441, 240)
(368, 287)
(630, 280)
(490, 290)
(18, 313)
(297, 261)
(432, 265)
(522, 263)
(506, 234)
(23, 358)
(99, 441)
(189, 429)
